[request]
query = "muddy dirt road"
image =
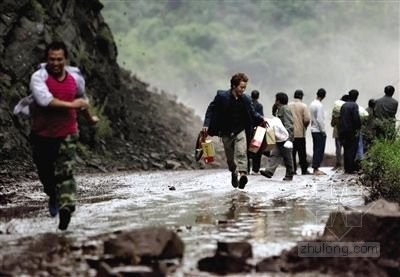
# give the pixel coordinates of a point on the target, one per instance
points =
(201, 206)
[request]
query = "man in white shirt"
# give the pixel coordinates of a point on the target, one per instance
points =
(318, 131)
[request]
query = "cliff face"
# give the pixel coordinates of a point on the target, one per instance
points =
(139, 129)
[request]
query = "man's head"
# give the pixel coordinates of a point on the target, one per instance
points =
(345, 98)
(353, 95)
(321, 93)
(56, 54)
(239, 83)
(389, 90)
(298, 94)
(371, 103)
(281, 99)
(255, 94)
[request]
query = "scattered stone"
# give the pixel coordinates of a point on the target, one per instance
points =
(230, 257)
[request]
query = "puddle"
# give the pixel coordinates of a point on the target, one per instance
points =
(270, 214)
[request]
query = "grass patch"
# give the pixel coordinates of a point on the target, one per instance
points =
(381, 169)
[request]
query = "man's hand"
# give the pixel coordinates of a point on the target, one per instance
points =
(204, 132)
(80, 103)
(265, 123)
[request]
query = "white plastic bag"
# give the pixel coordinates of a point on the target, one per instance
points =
(281, 134)
(22, 108)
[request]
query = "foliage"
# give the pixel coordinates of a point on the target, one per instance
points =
(381, 169)
(103, 127)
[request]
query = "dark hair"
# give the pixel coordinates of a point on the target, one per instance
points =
(274, 109)
(237, 78)
(321, 93)
(56, 45)
(389, 90)
(371, 103)
(282, 98)
(298, 94)
(255, 94)
(353, 95)
(345, 98)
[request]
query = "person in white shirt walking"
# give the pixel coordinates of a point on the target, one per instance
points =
(318, 131)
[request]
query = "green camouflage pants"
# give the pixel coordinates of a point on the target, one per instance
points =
(55, 159)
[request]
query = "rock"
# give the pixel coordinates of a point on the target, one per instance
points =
(170, 164)
(148, 244)
(223, 265)
(230, 257)
(241, 250)
(377, 222)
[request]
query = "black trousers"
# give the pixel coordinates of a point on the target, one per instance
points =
(299, 146)
(350, 144)
(255, 161)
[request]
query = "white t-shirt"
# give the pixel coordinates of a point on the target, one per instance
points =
(317, 117)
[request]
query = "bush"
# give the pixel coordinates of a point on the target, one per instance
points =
(381, 168)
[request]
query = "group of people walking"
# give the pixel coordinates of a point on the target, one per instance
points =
(233, 115)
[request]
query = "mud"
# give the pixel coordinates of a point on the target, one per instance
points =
(272, 215)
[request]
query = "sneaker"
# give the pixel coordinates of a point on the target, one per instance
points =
(318, 172)
(235, 182)
(242, 181)
(266, 173)
(65, 217)
(288, 178)
(53, 206)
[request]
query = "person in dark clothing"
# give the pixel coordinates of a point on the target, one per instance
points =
(231, 116)
(350, 124)
(368, 127)
(255, 157)
(335, 123)
(385, 112)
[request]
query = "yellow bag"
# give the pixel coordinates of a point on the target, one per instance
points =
(208, 151)
(270, 138)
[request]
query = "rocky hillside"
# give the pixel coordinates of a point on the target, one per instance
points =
(139, 129)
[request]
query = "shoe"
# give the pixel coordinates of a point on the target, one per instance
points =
(306, 173)
(65, 217)
(288, 178)
(53, 206)
(235, 182)
(266, 173)
(318, 172)
(242, 181)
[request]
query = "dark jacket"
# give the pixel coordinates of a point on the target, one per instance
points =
(350, 122)
(218, 114)
(285, 115)
(386, 108)
(258, 107)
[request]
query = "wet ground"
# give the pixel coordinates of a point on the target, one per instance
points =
(201, 206)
